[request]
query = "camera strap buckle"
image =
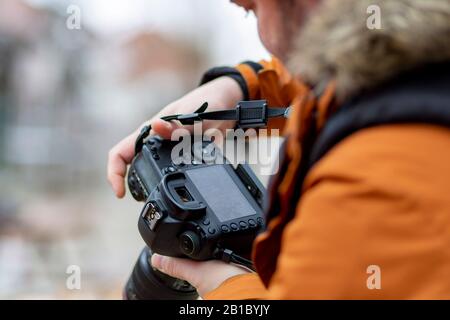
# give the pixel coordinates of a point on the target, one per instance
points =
(247, 114)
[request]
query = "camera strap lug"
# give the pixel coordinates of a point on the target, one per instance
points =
(228, 256)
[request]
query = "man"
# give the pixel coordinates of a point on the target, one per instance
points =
(360, 208)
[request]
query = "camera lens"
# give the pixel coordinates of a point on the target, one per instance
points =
(189, 243)
(146, 283)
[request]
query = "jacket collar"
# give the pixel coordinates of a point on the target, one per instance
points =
(337, 44)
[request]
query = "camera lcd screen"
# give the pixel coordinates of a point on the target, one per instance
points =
(220, 192)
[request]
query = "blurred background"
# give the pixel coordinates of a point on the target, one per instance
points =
(67, 95)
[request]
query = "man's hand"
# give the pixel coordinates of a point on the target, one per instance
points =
(221, 93)
(205, 276)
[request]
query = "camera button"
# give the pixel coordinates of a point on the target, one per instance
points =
(206, 222)
(156, 156)
(225, 229)
(260, 221)
(243, 225)
(211, 230)
(251, 223)
(234, 226)
(167, 170)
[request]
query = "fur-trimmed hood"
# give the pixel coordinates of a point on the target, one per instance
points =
(337, 44)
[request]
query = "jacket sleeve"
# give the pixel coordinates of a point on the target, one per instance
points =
(264, 80)
(372, 223)
(241, 287)
(270, 80)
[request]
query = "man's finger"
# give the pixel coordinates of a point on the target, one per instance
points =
(183, 269)
(164, 128)
(119, 157)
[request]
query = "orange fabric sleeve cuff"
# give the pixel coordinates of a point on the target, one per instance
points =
(241, 287)
(251, 79)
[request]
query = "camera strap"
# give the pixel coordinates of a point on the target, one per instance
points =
(247, 114)
(229, 256)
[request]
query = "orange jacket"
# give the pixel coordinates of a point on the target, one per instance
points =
(366, 203)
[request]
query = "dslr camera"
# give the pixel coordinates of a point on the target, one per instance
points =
(197, 206)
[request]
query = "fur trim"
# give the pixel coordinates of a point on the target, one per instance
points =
(337, 44)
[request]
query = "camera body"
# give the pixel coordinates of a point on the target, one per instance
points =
(196, 204)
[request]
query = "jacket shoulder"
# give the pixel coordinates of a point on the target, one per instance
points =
(378, 198)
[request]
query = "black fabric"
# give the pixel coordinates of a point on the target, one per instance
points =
(218, 72)
(254, 65)
(421, 96)
(233, 73)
